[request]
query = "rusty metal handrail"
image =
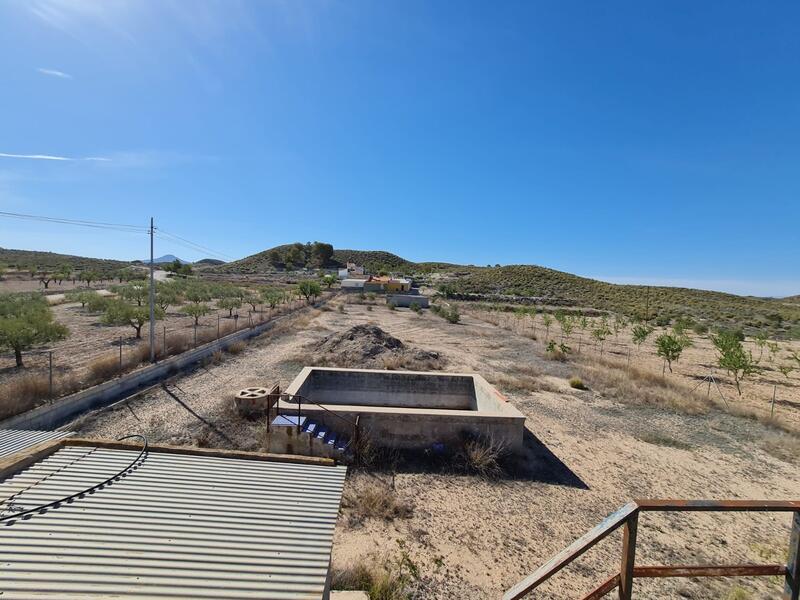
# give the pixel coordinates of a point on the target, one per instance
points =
(627, 517)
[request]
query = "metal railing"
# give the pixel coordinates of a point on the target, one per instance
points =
(627, 517)
(353, 424)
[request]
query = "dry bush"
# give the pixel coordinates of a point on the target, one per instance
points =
(217, 357)
(375, 501)
(104, 368)
(380, 581)
(482, 456)
(783, 446)
(518, 383)
(520, 378)
(30, 390)
(178, 342)
(237, 347)
(23, 393)
(659, 439)
(639, 386)
(577, 383)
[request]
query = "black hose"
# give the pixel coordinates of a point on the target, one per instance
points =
(56, 503)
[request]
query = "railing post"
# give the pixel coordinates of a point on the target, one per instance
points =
(628, 556)
(299, 405)
(791, 587)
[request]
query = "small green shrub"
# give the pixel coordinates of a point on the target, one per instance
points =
(577, 383)
(416, 307)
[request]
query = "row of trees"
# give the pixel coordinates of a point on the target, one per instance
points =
(732, 356)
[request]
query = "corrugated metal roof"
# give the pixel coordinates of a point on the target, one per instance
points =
(179, 526)
(14, 440)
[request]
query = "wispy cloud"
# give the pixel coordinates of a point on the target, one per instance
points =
(54, 73)
(53, 157)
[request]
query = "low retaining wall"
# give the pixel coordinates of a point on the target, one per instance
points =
(63, 410)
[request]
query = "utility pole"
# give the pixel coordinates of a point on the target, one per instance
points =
(152, 300)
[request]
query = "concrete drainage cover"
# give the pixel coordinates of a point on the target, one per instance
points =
(253, 393)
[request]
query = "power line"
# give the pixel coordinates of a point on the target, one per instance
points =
(123, 227)
(176, 239)
(77, 222)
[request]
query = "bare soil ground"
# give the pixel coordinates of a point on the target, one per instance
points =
(587, 453)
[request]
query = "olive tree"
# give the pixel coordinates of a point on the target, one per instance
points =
(27, 321)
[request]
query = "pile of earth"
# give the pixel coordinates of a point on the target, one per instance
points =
(371, 346)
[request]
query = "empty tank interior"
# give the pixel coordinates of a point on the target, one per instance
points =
(390, 389)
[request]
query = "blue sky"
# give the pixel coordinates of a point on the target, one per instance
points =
(640, 141)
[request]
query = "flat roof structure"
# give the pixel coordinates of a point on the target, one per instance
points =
(16, 440)
(171, 523)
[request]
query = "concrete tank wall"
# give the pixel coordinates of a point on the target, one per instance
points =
(390, 388)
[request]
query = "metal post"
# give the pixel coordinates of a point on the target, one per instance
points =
(165, 341)
(51, 375)
(152, 300)
(195, 335)
(628, 557)
(217, 325)
(299, 404)
(791, 586)
(771, 409)
(120, 357)
(710, 377)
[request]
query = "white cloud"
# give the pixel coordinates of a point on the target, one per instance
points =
(54, 73)
(52, 157)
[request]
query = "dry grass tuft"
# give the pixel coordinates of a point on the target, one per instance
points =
(29, 390)
(375, 501)
(380, 581)
(638, 386)
(105, 367)
(660, 439)
(482, 456)
(783, 446)
(236, 347)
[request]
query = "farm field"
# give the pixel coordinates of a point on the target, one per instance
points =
(697, 364)
(459, 535)
(97, 348)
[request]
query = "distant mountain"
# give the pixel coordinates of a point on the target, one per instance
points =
(167, 258)
(210, 261)
(50, 261)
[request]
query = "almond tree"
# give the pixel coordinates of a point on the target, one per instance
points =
(196, 311)
(669, 347)
(119, 312)
(733, 358)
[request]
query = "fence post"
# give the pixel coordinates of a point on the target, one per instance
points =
(51, 375)
(771, 408)
(119, 372)
(165, 342)
(217, 325)
(791, 588)
(195, 335)
(628, 556)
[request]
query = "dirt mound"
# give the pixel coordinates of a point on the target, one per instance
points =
(371, 346)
